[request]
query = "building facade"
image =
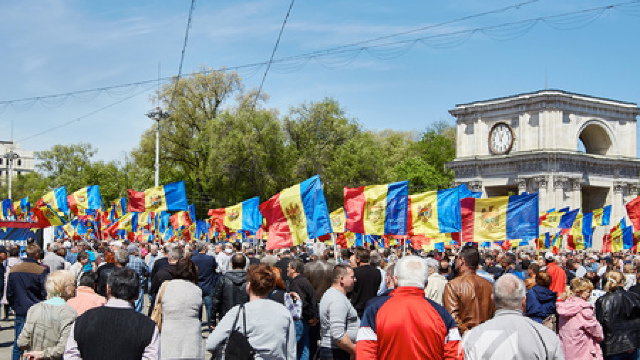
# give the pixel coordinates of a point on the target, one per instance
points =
(23, 161)
(574, 150)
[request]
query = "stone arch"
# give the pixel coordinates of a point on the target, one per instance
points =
(597, 137)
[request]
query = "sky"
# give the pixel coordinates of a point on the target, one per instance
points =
(58, 46)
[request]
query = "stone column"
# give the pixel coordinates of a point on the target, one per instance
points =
(476, 186)
(522, 185)
(576, 194)
(541, 183)
(558, 191)
(617, 205)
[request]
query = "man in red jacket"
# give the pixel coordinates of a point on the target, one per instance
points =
(558, 275)
(405, 324)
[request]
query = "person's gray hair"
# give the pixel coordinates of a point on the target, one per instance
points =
(121, 256)
(201, 246)
(508, 292)
(375, 259)
(176, 253)
(411, 270)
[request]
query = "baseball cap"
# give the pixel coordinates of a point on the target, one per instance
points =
(3, 249)
(67, 244)
(548, 256)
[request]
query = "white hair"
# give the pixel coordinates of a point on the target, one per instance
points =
(411, 271)
(508, 292)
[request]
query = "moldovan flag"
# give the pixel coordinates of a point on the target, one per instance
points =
(85, 198)
(170, 197)
(243, 216)
(22, 207)
(543, 241)
(580, 235)
(567, 220)
(435, 212)
(551, 219)
(633, 210)
(180, 219)
(117, 209)
(56, 199)
(296, 215)
(377, 209)
(602, 217)
(47, 217)
(500, 218)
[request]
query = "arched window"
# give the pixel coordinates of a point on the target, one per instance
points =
(594, 139)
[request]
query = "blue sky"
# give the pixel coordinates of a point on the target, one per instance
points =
(57, 46)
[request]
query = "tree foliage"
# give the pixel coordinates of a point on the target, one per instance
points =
(228, 147)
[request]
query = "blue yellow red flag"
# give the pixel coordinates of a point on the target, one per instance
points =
(169, 197)
(85, 198)
(56, 200)
(243, 216)
(500, 218)
(377, 209)
(602, 217)
(435, 212)
(296, 214)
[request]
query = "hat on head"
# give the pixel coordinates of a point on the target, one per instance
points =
(594, 257)
(548, 256)
(228, 251)
(3, 249)
(132, 248)
(116, 243)
(67, 244)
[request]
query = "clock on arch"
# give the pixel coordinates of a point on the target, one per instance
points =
(500, 139)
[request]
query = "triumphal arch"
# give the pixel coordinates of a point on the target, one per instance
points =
(574, 150)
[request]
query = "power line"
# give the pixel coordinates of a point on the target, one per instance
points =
(184, 47)
(489, 31)
(257, 65)
(273, 53)
(85, 116)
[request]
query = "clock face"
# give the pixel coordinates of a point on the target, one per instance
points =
(500, 138)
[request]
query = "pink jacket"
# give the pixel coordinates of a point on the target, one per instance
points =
(579, 331)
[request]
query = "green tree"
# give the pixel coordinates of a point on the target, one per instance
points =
(315, 131)
(193, 102)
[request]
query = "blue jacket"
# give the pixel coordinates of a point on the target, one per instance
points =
(25, 286)
(541, 302)
(207, 275)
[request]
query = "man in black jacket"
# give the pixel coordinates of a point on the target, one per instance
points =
(368, 280)
(207, 276)
(232, 288)
(301, 285)
(25, 288)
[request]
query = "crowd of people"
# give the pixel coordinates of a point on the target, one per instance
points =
(85, 300)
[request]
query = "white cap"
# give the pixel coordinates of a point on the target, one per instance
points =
(67, 244)
(116, 243)
(548, 256)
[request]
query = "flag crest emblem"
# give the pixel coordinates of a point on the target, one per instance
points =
(490, 218)
(294, 214)
(424, 213)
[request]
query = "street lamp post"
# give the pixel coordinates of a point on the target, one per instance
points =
(10, 156)
(157, 114)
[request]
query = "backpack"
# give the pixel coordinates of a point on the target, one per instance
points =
(237, 346)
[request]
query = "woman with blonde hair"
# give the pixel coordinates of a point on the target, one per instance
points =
(579, 331)
(618, 312)
(48, 323)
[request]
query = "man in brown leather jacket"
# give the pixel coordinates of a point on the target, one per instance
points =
(468, 297)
